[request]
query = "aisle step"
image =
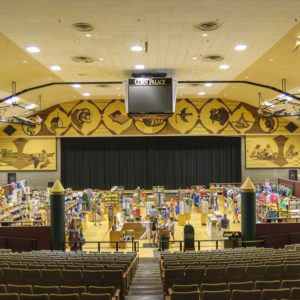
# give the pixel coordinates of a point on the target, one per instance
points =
(146, 284)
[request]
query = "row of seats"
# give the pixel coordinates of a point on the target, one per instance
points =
(246, 285)
(41, 289)
(265, 294)
(229, 274)
(83, 296)
(115, 278)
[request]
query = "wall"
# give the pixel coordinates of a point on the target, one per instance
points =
(259, 175)
(37, 180)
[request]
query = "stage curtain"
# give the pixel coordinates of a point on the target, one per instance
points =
(173, 162)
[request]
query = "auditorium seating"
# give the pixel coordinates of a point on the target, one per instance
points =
(78, 275)
(232, 274)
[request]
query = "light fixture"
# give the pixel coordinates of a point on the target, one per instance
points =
(181, 87)
(101, 58)
(33, 49)
(194, 58)
(204, 34)
(86, 94)
(240, 47)
(285, 97)
(88, 35)
(201, 93)
(208, 84)
(139, 67)
(24, 61)
(76, 85)
(271, 59)
(55, 68)
(12, 100)
(224, 67)
(30, 106)
(136, 48)
(266, 103)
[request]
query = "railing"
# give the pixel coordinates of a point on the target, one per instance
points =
(209, 244)
(101, 245)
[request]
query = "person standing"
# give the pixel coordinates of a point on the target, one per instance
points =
(172, 228)
(154, 230)
(152, 212)
(236, 213)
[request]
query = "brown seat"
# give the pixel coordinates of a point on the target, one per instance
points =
(64, 297)
(51, 277)
(14, 288)
(290, 283)
(72, 277)
(291, 271)
(215, 274)
(266, 284)
(235, 273)
(216, 295)
(173, 276)
(245, 295)
(12, 275)
(102, 290)
(295, 293)
(274, 272)
(72, 289)
(86, 296)
(246, 285)
(194, 275)
(34, 297)
(92, 277)
(42, 289)
(3, 288)
(185, 296)
(31, 276)
(255, 272)
(9, 296)
(185, 288)
(213, 287)
(269, 294)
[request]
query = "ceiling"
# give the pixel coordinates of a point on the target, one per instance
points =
(269, 28)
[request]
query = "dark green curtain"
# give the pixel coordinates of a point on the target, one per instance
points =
(172, 162)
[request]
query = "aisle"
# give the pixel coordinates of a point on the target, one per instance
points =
(146, 284)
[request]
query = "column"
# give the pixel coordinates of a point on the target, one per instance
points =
(57, 206)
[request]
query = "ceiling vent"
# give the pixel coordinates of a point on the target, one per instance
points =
(83, 27)
(194, 84)
(213, 57)
(102, 86)
(82, 59)
(209, 26)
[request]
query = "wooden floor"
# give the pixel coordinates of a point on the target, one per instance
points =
(98, 232)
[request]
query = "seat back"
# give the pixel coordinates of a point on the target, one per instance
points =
(246, 285)
(34, 297)
(185, 295)
(213, 295)
(14, 288)
(268, 294)
(266, 284)
(185, 288)
(86, 296)
(245, 295)
(9, 296)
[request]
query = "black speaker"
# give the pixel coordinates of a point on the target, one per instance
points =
(11, 177)
(293, 175)
(50, 184)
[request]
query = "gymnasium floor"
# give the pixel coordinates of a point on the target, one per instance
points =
(101, 233)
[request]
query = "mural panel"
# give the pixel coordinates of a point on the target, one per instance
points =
(28, 154)
(193, 117)
(272, 152)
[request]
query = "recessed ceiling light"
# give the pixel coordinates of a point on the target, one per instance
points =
(201, 93)
(30, 106)
(117, 88)
(76, 85)
(33, 49)
(247, 77)
(139, 67)
(101, 58)
(271, 59)
(24, 61)
(224, 67)
(136, 48)
(194, 58)
(86, 94)
(208, 84)
(88, 35)
(240, 47)
(204, 34)
(181, 87)
(55, 68)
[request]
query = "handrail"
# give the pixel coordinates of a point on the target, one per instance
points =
(134, 245)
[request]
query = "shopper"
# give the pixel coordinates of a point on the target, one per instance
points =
(236, 213)
(152, 212)
(154, 230)
(172, 228)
